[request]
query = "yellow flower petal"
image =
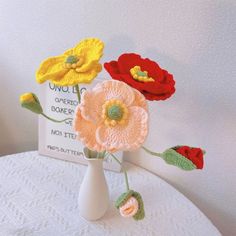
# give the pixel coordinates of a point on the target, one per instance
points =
(91, 48)
(27, 97)
(93, 65)
(51, 69)
(69, 52)
(72, 77)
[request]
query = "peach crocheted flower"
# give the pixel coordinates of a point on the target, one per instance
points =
(112, 116)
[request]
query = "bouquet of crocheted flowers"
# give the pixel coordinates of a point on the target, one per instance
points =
(114, 115)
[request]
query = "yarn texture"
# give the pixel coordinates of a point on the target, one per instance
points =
(77, 65)
(101, 129)
(123, 198)
(195, 155)
(31, 102)
(142, 74)
(172, 157)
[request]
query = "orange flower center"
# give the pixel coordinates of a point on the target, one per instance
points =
(139, 75)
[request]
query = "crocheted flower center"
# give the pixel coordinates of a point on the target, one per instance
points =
(71, 59)
(139, 75)
(114, 112)
(73, 62)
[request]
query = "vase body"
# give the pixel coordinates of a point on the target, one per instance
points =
(93, 194)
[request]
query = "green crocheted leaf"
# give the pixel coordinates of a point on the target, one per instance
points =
(36, 98)
(140, 213)
(34, 107)
(172, 157)
(122, 199)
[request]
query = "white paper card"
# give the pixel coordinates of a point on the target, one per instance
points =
(58, 140)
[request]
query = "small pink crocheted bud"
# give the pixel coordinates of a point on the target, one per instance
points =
(130, 208)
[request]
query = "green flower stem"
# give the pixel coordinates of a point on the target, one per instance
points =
(125, 173)
(151, 152)
(53, 120)
(101, 155)
(78, 92)
(89, 153)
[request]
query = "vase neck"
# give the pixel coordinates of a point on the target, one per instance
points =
(95, 163)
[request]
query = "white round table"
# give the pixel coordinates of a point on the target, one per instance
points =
(38, 197)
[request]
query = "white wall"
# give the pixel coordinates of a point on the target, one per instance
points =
(195, 40)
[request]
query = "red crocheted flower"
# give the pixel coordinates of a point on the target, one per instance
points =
(193, 154)
(142, 74)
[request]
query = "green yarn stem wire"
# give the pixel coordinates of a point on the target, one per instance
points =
(151, 152)
(54, 120)
(125, 173)
(78, 92)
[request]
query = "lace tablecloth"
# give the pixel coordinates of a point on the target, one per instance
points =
(38, 197)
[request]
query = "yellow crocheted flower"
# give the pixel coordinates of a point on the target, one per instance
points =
(77, 65)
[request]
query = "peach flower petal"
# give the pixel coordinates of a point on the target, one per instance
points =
(130, 208)
(91, 105)
(140, 100)
(125, 137)
(86, 132)
(116, 90)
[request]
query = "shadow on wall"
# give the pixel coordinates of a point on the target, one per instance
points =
(202, 113)
(8, 140)
(18, 127)
(6, 136)
(117, 45)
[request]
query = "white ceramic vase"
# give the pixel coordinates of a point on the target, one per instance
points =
(93, 194)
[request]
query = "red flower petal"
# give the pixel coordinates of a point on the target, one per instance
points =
(127, 61)
(160, 89)
(113, 65)
(113, 69)
(193, 154)
(152, 68)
